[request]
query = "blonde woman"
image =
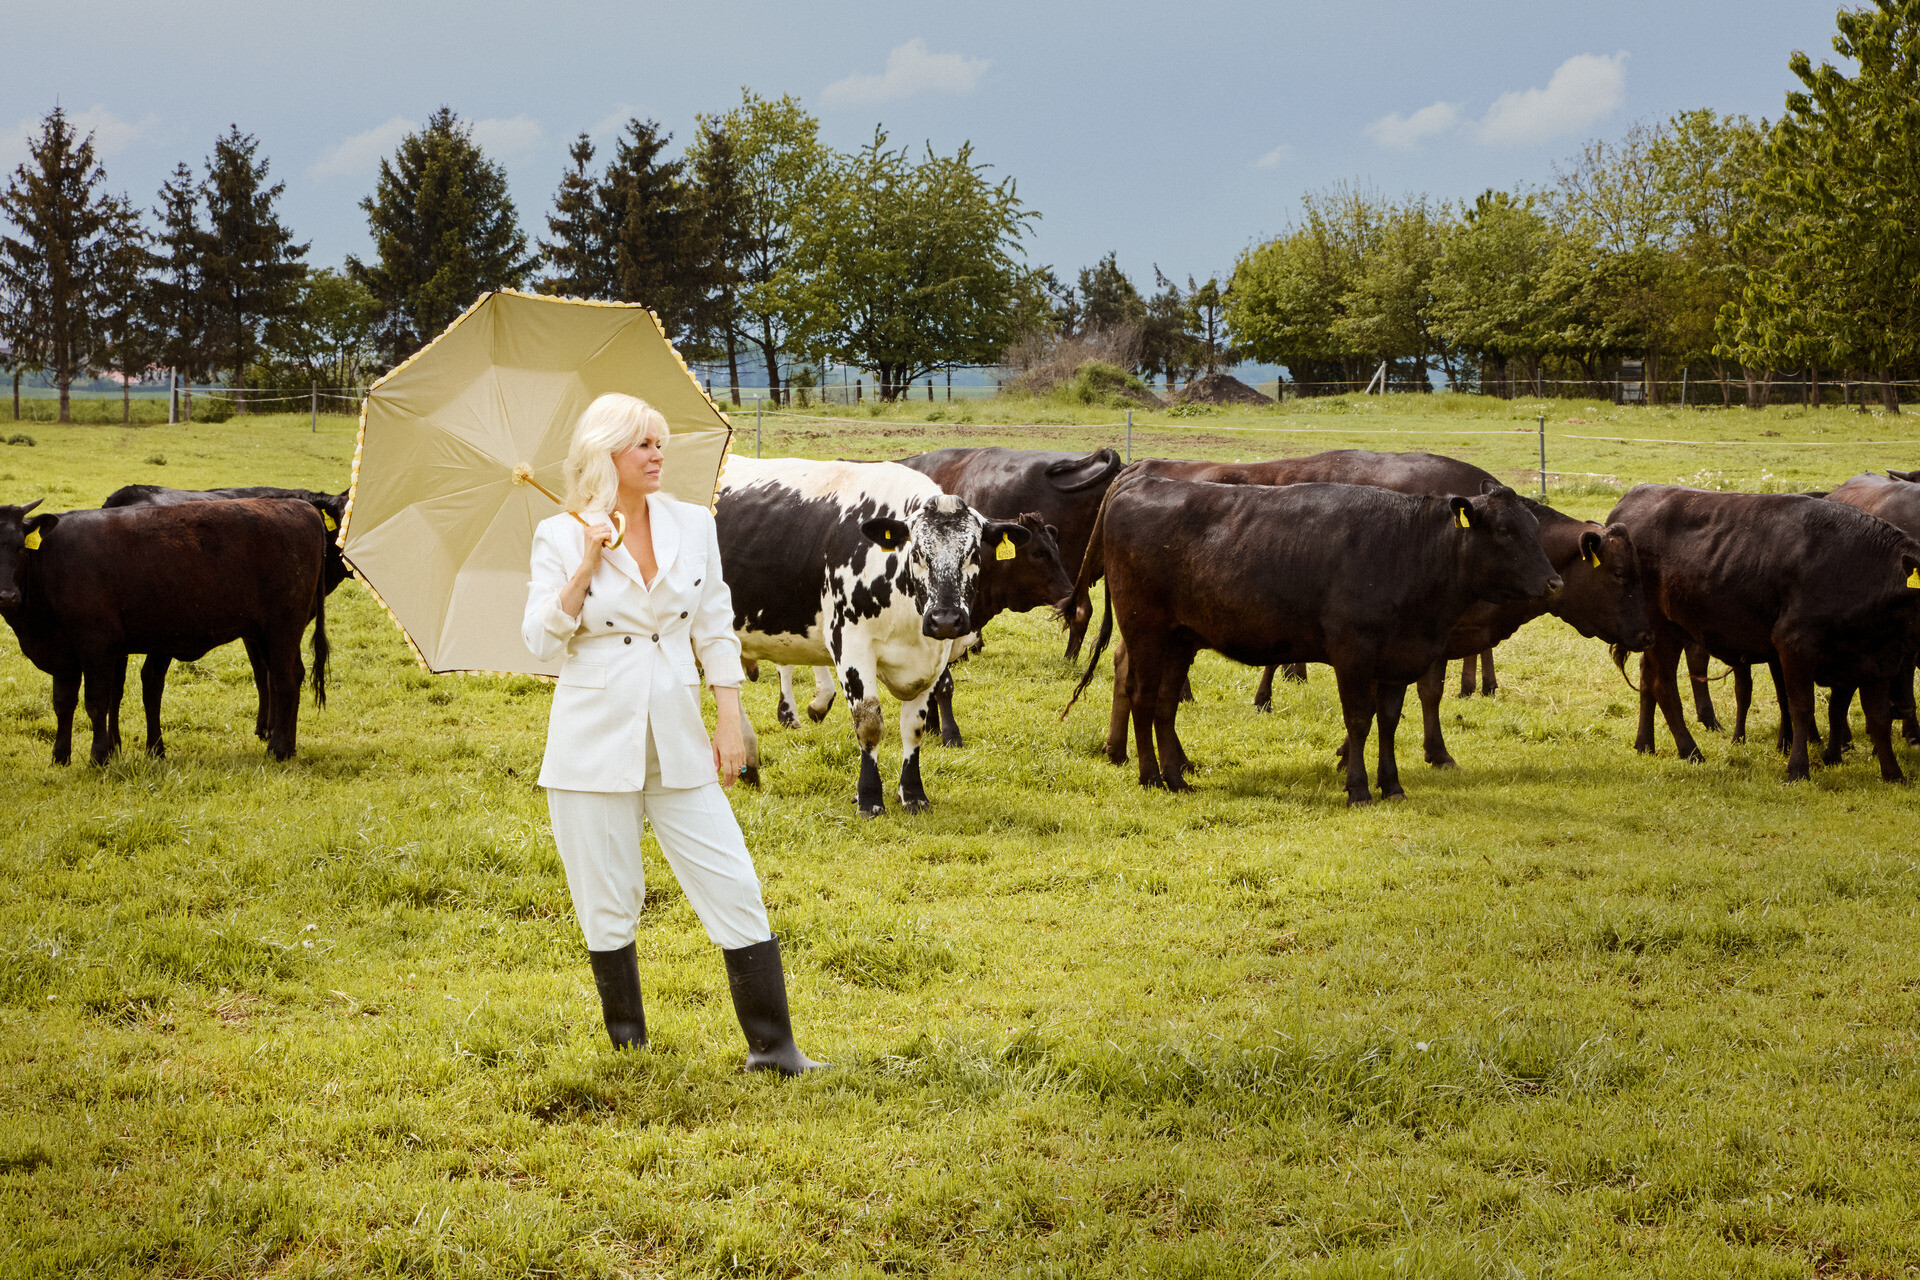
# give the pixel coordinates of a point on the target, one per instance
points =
(625, 740)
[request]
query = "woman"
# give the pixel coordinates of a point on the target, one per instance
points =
(625, 739)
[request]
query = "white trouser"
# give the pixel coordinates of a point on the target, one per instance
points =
(598, 835)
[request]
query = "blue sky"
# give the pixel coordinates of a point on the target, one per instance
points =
(1175, 135)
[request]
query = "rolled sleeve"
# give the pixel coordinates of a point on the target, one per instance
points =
(546, 627)
(714, 641)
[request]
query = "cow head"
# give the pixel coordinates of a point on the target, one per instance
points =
(1603, 597)
(1020, 567)
(939, 544)
(1499, 547)
(20, 535)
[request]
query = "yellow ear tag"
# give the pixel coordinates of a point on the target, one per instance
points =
(1593, 559)
(1005, 550)
(332, 524)
(1913, 575)
(1460, 518)
(33, 540)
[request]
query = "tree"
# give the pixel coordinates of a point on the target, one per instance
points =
(1289, 294)
(581, 250)
(1108, 299)
(905, 267)
(652, 227)
(1490, 287)
(1834, 235)
(329, 338)
(251, 268)
(444, 231)
(132, 336)
(720, 200)
(781, 169)
(183, 305)
(1167, 348)
(1385, 311)
(57, 274)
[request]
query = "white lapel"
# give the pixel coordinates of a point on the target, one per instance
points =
(666, 531)
(619, 557)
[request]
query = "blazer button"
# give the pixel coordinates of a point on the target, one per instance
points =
(656, 637)
(628, 640)
(609, 622)
(683, 613)
(696, 582)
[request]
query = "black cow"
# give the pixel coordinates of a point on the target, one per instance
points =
(1822, 592)
(333, 510)
(85, 589)
(1365, 579)
(1064, 489)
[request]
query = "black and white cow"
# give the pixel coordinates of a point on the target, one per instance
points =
(866, 567)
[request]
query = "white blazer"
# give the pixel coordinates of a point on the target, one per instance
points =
(630, 654)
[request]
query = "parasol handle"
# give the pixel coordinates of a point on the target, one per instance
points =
(523, 474)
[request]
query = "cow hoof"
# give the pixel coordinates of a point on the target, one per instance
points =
(1445, 762)
(1797, 775)
(954, 741)
(787, 719)
(872, 811)
(1354, 802)
(1265, 707)
(816, 716)
(917, 806)
(1738, 738)
(1394, 795)
(750, 775)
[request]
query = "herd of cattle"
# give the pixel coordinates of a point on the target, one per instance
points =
(883, 574)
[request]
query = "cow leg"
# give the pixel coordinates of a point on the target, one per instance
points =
(1903, 707)
(858, 674)
(750, 771)
(943, 710)
(1742, 700)
(106, 683)
(1876, 703)
(262, 686)
(1783, 740)
(1122, 705)
(1079, 614)
(1358, 710)
(1263, 696)
(1643, 735)
(1697, 663)
(788, 714)
(914, 718)
(1294, 671)
(285, 672)
(1390, 700)
(153, 684)
(823, 695)
(1174, 689)
(1466, 675)
(1664, 681)
(1432, 686)
(1487, 681)
(1839, 732)
(66, 697)
(1144, 670)
(1796, 675)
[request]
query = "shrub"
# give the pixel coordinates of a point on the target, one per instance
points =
(156, 459)
(21, 437)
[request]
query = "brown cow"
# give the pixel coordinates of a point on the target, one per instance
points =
(83, 590)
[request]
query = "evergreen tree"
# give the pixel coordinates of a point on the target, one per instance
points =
(444, 230)
(720, 219)
(251, 269)
(651, 222)
(1107, 299)
(57, 273)
(181, 299)
(581, 251)
(132, 339)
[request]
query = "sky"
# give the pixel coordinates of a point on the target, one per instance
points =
(1174, 135)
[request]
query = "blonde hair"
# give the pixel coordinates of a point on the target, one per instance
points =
(613, 423)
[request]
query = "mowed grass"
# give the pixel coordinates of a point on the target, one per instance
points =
(1569, 1011)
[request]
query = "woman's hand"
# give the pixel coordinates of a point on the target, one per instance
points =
(573, 595)
(729, 743)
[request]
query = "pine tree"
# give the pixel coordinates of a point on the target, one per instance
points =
(56, 274)
(444, 230)
(581, 251)
(132, 336)
(181, 301)
(651, 226)
(720, 231)
(251, 271)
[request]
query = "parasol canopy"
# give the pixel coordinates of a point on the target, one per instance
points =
(436, 524)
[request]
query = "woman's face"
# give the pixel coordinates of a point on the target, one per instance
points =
(639, 467)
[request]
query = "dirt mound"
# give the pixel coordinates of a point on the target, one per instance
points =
(1220, 388)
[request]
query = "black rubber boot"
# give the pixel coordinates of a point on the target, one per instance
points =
(617, 975)
(760, 1002)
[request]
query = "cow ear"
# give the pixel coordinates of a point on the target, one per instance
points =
(38, 528)
(997, 530)
(888, 534)
(1590, 548)
(1463, 514)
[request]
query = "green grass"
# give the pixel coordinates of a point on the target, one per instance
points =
(1569, 1011)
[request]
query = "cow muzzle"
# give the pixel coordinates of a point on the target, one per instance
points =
(9, 597)
(944, 623)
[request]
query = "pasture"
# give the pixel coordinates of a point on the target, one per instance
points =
(1568, 1011)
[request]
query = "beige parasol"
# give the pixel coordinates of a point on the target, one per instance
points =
(437, 523)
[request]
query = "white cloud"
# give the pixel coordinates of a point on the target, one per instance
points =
(363, 152)
(911, 69)
(1585, 88)
(1282, 152)
(110, 133)
(1404, 132)
(514, 138)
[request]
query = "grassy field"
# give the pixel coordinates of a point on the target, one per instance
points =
(1570, 1011)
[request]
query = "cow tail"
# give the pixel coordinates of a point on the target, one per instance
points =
(1620, 653)
(1093, 565)
(320, 646)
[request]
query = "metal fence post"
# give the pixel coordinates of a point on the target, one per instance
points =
(315, 427)
(1543, 457)
(1129, 435)
(756, 426)
(173, 397)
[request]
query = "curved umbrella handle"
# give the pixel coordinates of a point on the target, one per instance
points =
(620, 523)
